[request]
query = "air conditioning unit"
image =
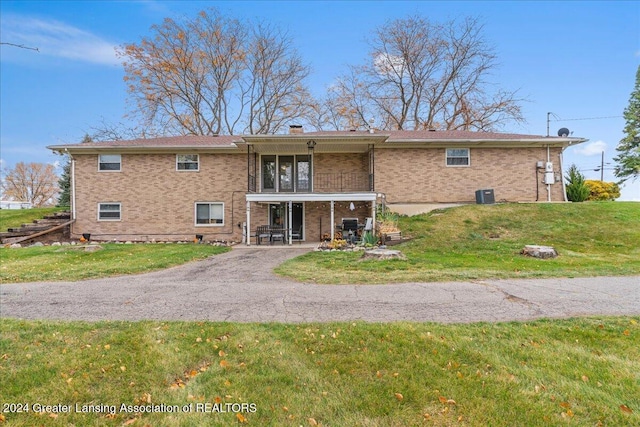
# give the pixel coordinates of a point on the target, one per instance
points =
(485, 197)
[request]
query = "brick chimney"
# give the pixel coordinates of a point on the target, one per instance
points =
(295, 129)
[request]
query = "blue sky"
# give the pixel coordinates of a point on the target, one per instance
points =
(575, 59)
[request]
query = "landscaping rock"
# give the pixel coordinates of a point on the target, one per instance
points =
(382, 254)
(92, 248)
(56, 244)
(543, 252)
(36, 245)
(16, 246)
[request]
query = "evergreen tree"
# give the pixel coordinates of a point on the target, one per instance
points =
(65, 184)
(629, 146)
(577, 190)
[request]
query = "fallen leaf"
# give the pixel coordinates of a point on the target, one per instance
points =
(54, 416)
(241, 418)
(585, 378)
(312, 422)
(625, 408)
(123, 368)
(198, 339)
(221, 353)
(399, 396)
(2, 418)
(107, 346)
(224, 363)
(565, 404)
(378, 374)
(626, 332)
(442, 399)
(131, 421)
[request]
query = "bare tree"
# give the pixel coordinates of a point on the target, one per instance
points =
(428, 75)
(33, 182)
(214, 74)
(276, 92)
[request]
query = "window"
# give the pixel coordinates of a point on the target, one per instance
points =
(458, 157)
(209, 213)
(109, 211)
(109, 162)
(286, 173)
(187, 162)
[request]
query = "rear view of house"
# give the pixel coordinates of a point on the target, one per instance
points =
(303, 184)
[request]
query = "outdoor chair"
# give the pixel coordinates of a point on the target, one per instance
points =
(277, 234)
(297, 235)
(263, 232)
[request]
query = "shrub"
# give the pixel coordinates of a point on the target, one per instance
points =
(577, 190)
(600, 190)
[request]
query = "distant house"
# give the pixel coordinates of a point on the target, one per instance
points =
(224, 187)
(15, 204)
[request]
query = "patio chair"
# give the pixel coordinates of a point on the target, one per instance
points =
(297, 234)
(263, 232)
(277, 234)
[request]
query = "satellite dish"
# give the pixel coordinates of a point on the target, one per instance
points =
(563, 132)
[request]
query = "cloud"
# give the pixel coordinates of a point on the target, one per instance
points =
(55, 38)
(592, 149)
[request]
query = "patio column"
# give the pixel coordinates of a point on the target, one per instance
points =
(248, 223)
(332, 220)
(290, 219)
(373, 217)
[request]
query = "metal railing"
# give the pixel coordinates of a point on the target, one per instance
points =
(342, 182)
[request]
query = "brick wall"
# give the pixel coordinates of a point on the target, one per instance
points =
(156, 200)
(421, 175)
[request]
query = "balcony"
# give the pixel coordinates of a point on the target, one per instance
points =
(342, 182)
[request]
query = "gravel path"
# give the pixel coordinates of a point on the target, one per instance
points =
(239, 286)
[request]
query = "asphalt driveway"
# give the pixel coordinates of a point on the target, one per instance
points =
(239, 287)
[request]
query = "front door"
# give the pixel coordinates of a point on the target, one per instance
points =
(279, 216)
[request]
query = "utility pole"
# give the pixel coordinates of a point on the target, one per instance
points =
(602, 168)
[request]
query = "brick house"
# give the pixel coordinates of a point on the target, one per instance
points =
(175, 188)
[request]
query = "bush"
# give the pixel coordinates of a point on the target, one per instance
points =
(600, 190)
(577, 190)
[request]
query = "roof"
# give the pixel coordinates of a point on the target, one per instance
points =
(386, 139)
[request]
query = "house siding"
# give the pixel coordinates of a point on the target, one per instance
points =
(158, 202)
(421, 175)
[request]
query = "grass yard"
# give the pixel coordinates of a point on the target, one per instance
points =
(10, 218)
(484, 241)
(543, 373)
(70, 263)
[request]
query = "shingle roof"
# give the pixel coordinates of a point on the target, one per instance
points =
(169, 141)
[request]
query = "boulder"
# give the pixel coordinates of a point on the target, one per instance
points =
(543, 252)
(382, 254)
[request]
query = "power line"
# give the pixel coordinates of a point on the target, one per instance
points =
(585, 118)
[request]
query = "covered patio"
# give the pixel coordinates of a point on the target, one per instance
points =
(327, 201)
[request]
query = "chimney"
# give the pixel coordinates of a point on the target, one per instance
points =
(295, 129)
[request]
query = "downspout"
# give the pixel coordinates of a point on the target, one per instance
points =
(548, 185)
(564, 187)
(73, 185)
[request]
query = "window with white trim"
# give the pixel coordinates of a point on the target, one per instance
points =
(187, 162)
(210, 213)
(458, 157)
(109, 162)
(109, 211)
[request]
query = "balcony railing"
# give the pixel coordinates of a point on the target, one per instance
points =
(342, 182)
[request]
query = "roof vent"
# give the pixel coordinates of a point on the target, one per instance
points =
(432, 129)
(295, 129)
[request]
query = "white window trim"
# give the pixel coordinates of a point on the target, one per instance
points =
(188, 170)
(446, 157)
(109, 170)
(195, 214)
(110, 203)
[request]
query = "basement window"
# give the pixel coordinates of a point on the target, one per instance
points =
(210, 213)
(109, 211)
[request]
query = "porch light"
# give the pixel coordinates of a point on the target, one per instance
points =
(311, 145)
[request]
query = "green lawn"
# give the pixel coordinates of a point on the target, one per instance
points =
(484, 241)
(73, 263)
(10, 218)
(583, 372)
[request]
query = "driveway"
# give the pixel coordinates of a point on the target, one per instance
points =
(239, 287)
